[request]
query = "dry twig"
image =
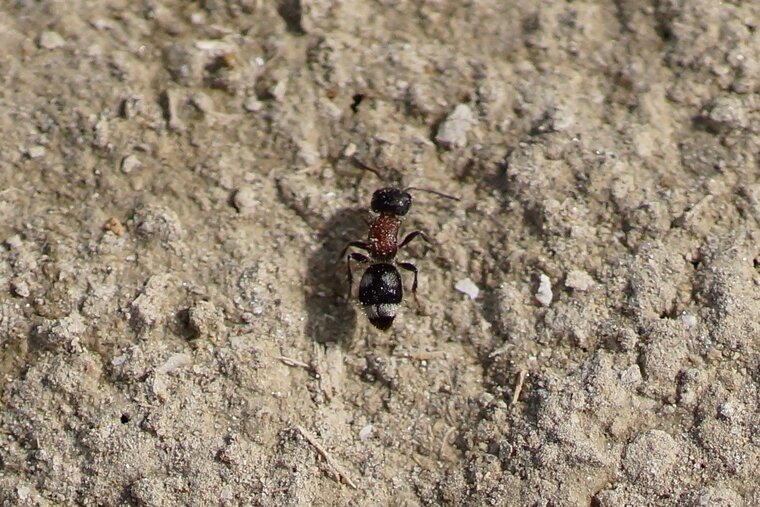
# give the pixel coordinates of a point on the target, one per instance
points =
(295, 362)
(445, 442)
(518, 388)
(340, 472)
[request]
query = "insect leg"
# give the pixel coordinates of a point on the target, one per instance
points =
(363, 245)
(409, 237)
(358, 258)
(411, 267)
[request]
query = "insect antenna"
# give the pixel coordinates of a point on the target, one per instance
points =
(362, 165)
(386, 175)
(436, 192)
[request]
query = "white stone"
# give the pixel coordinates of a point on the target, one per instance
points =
(279, 90)
(36, 152)
(51, 40)
(468, 287)
(20, 288)
(252, 105)
(688, 320)
(130, 163)
(544, 293)
(23, 492)
(366, 432)
(453, 131)
(245, 200)
(350, 150)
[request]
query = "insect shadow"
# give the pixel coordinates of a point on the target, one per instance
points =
(329, 317)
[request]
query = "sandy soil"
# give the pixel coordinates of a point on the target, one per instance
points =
(176, 186)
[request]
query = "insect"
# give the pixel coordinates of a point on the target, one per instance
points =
(381, 288)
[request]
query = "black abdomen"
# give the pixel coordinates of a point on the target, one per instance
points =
(380, 292)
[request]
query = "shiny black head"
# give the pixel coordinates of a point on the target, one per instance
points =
(380, 293)
(392, 201)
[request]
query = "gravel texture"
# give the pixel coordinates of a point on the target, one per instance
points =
(177, 180)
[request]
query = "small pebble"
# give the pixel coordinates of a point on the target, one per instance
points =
(579, 280)
(245, 200)
(23, 492)
(544, 293)
(198, 18)
(14, 242)
(130, 163)
(308, 153)
(36, 152)
(206, 320)
(252, 105)
(102, 133)
(160, 387)
(279, 90)
(175, 362)
(453, 131)
(173, 104)
(688, 320)
(468, 287)
(726, 410)
(631, 377)
(203, 102)
(649, 458)
(366, 432)
(153, 221)
(132, 105)
(63, 332)
(728, 112)
(51, 40)
(114, 225)
(20, 288)
(350, 150)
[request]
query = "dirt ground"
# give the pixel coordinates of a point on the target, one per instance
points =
(177, 180)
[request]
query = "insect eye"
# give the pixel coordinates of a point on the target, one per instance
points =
(402, 204)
